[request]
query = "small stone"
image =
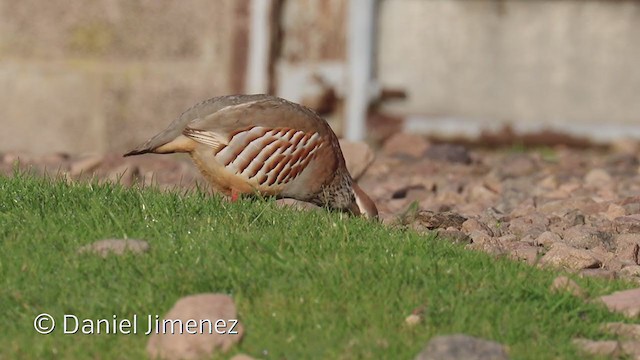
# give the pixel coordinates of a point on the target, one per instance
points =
(627, 224)
(599, 348)
(471, 225)
(631, 349)
(403, 192)
(296, 205)
(547, 239)
(521, 227)
(625, 146)
(585, 237)
(204, 309)
(242, 357)
(430, 220)
(615, 211)
(631, 205)
(448, 153)
(599, 273)
(487, 244)
(481, 193)
(125, 174)
(598, 178)
(630, 271)
(413, 320)
(626, 302)
(402, 144)
(453, 235)
(358, 156)
(479, 237)
(107, 247)
(549, 183)
(85, 165)
(582, 204)
(563, 283)
(524, 252)
(460, 346)
(517, 166)
(627, 331)
(561, 255)
(628, 248)
(508, 238)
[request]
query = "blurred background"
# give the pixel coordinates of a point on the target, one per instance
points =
(103, 75)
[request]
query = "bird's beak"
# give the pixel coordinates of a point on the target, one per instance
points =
(364, 205)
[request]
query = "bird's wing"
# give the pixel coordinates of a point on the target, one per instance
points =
(266, 157)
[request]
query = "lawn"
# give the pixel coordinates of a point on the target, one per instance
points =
(308, 285)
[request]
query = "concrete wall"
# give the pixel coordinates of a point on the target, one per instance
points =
(570, 63)
(101, 75)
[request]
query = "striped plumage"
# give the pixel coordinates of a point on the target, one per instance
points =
(267, 145)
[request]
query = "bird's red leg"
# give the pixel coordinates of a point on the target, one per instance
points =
(234, 195)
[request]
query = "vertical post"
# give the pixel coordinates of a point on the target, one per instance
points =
(360, 40)
(257, 81)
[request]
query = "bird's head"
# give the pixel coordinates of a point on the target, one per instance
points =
(363, 205)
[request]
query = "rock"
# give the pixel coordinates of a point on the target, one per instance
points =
(217, 315)
(242, 357)
(517, 165)
(631, 205)
(481, 193)
(586, 237)
(413, 320)
(471, 225)
(297, 205)
(453, 235)
(609, 348)
(563, 283)
(631, 349)
(402, 144)
(459, 346)
(615, 211)
(628, 248)
(625, 146)
(448, 153)
(599, 273)
(550, 182)
(509, 238)
(626, 302)
(630, 271)
(583, 204)
(125, 175)
(627, 224)
(404, 191)
(490, 245)
(623, 330)
(561, 255)
(107, 247)
(532, 224)
(85, 165)
(547, 239)
(430, 220)
(479, 237)
(573, 218)
(598, 178)
(358, 156)
(524, 252)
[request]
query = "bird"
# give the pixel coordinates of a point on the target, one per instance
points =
(264, 145)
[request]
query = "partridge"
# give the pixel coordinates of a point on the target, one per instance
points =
(261, 144)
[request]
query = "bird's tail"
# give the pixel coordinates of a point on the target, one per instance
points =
(179, 144)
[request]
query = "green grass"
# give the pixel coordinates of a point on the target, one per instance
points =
(311, 285)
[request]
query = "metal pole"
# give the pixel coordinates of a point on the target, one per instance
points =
(360, 40)
(257, 80)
